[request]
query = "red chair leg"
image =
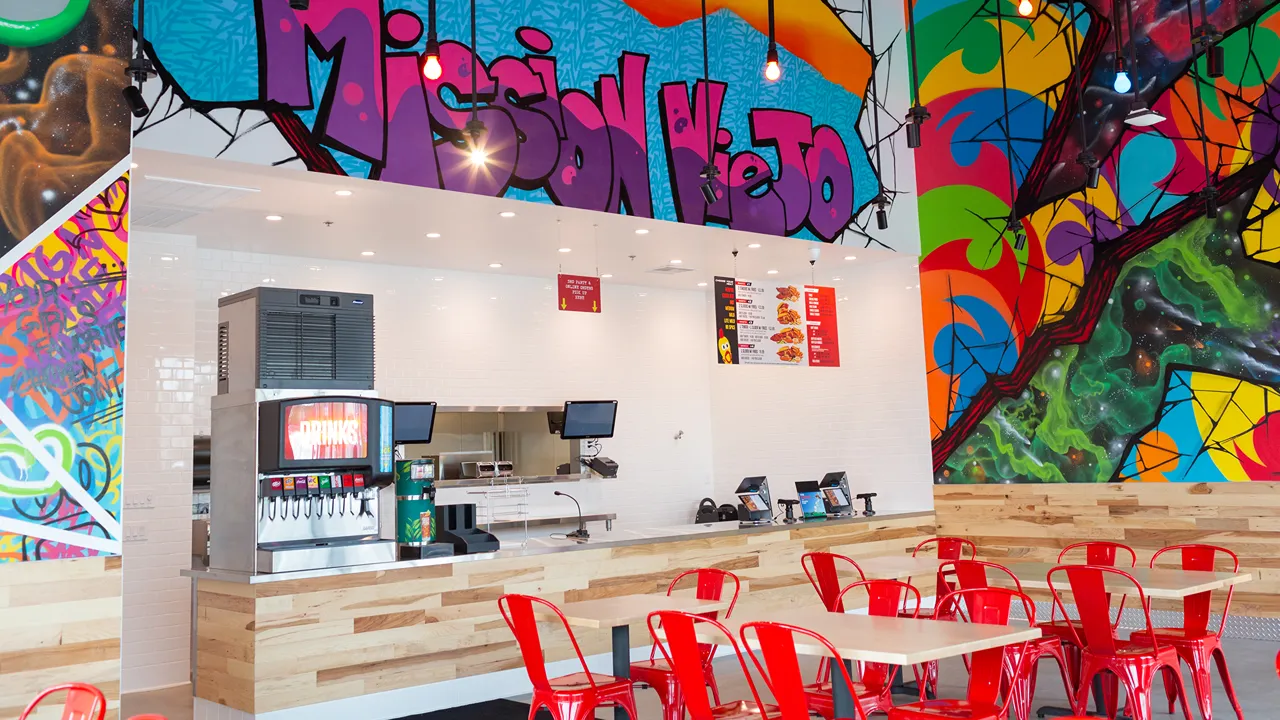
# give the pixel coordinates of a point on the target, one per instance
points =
(1170, 691)
(711, 681)
(1087, 672)
(1059, 654)
(1111, 694)
(1226, 682)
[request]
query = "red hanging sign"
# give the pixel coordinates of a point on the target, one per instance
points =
(579, 293)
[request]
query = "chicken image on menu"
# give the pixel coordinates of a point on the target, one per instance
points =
(775, 324)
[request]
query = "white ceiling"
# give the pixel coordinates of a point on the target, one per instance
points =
(227, 205)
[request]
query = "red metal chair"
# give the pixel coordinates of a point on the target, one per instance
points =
(987, 668)
(684, 655)
(823, 570)
(972, 574)
(948, 548)
(83, 702)
(874, 689)
(1134, 662)
(572, 697)
(657, 674)
(1197, 645)
(781, 666)
(1095, 552)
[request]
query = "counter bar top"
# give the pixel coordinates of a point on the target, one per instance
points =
(547, 546)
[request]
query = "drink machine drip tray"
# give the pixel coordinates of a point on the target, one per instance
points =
(318, 555)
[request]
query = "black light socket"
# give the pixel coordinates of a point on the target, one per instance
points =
(709, 174)
(882, 218)
(1215, 60)
(300, 4)
(915, 118)
(1210, 195)
(1093, 173)
(709, 193)
(133, 98)
(913, 135)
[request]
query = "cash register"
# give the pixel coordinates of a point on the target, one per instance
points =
(755, 505)
(835, 494)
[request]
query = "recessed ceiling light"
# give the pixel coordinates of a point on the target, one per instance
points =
(493, 298)
(433, 236)
(644, 294)
(506, 214)
(753, 246)
(167, 258)
(850, 257)
(274, 218)
(268, 280)
(313, 268)
(566, 249)
(702, 284)
(606, 276)
(133, 166)
(225, 293)
(438, 279)
(495, 265)
(773, 272)
(342, 193)
(676, 261)
(835, 279)
(367, 253)
(642, 231)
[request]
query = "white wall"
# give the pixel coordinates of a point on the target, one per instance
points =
(158, 422)
(868, 417)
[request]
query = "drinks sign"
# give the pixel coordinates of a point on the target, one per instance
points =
(326, 431)
(578, 293)
(775, 324)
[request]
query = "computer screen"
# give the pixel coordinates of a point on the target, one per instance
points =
(754, 502)
(589, 420)
(836, 496)
(811, 505)
(413, 422)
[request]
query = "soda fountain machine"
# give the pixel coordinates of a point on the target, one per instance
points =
(302, 458)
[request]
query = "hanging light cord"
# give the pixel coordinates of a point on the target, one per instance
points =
(1008, 130)
(1074, 49)
(911, 36)
(431, 20)
(1133, 54)
(772, 36)
(706, 88)
(1195, 72)
(475, 77)
(875, 113)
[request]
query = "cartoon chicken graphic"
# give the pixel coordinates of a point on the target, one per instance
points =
(726, 352)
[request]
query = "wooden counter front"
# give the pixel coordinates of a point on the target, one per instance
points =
(278, 645)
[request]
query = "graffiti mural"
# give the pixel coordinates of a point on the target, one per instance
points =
(594, 104)
(63, 122)
(62, 323)
(1126, 335)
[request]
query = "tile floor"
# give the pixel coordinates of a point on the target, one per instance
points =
(1252, 669)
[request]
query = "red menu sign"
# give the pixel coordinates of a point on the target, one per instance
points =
(579, 293)
(820, 320)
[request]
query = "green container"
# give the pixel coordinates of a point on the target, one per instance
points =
(416, 502)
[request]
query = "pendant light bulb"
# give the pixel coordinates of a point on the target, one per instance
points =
(772, 70)
(1026, 9)
(479, 157)
(1122, 83)
(431, 68)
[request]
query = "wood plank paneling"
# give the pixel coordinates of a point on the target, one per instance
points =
(59, 622)
(281, 645)
(1034, 522)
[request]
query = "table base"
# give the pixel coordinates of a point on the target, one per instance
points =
(622, 662)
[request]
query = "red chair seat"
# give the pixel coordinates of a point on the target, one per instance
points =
(578, 681)
(1061, 629)
(654, 666)
(951, 709)
(1182, 635)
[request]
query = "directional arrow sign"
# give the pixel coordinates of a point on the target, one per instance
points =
(579, 293)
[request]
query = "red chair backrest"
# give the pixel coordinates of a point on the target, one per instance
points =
(949, 548)
(885, 598)
(776, 644)
(988, 606)
(1203, 558)
(518, 611)
(823, 571)
(973, 574)
(711, 585)
(83, 702)
(1092, 587)
(1100, 552)
(683, 654)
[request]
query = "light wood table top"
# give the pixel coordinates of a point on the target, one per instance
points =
(897, 641)
(1165, 583)
(629, 609)
(898, 567)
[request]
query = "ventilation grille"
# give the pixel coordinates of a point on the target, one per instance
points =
(670, 270)
(300, 347)
(224, 358)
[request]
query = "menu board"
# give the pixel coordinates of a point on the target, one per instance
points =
(775, 324)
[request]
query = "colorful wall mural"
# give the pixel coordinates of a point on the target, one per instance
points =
(593, 104)
(64, 203)
(1132, 338)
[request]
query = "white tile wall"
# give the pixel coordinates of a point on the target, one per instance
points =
(159, 396)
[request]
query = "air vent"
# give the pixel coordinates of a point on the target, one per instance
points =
(224, 357)
(670, 270)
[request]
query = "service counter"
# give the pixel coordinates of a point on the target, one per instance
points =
(266, 644)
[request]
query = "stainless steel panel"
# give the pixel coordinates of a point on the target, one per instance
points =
(233, 484)
(281, 558)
